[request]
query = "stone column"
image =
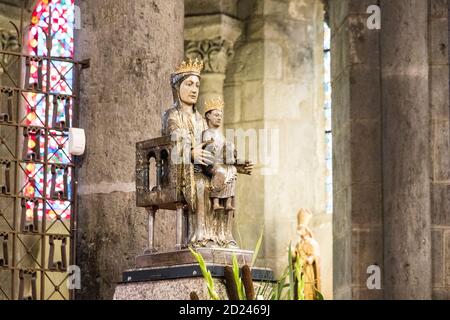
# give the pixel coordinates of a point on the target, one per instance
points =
(211, 38)
(133, 46)
(440, 143)
(357, 161)
(406, 149)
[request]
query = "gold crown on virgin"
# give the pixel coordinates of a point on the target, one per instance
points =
(194, 67)
(214, 104)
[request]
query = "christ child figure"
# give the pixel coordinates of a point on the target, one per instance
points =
(223, 171)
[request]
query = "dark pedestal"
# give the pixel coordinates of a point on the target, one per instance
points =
(182, 257)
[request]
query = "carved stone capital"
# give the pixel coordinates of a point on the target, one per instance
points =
(215, 53)
(211, 38)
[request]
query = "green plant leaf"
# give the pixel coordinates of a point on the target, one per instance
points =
(274, 293)
(206, 275)
(301, 289)
(280, 285)
(319, 295)
(237, 279)
(257, 248)
(262, 290)
(291, 275)
(299, 279)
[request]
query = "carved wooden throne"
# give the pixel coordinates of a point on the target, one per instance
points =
(158, 186)
(159, 182)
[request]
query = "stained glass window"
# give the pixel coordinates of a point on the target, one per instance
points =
(327, 110)
(54, 17)
(61, 26)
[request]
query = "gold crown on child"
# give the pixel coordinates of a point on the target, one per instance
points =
(194, 67)
(214, 104)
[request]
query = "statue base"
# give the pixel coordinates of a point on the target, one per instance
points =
(177, 282)
(218, 256)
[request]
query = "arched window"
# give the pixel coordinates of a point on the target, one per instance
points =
(50, 105)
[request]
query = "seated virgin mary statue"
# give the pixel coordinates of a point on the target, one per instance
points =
(184, 123)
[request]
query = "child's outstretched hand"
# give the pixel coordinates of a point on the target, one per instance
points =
(245, 168)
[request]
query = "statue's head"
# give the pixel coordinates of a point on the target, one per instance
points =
(185, 82)
(214, 112)
(188, 90)
(303, 217)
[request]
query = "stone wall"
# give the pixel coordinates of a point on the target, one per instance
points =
(133, 46)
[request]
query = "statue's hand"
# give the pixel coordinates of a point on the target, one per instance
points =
(201, 156)
(245, 168)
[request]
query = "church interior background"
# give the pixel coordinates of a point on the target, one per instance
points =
(362, 117)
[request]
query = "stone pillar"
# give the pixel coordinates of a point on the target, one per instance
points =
(357, 162)
(440, 144)
(406, 150)
(211, 38)
(275, 82)
(133, 46)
